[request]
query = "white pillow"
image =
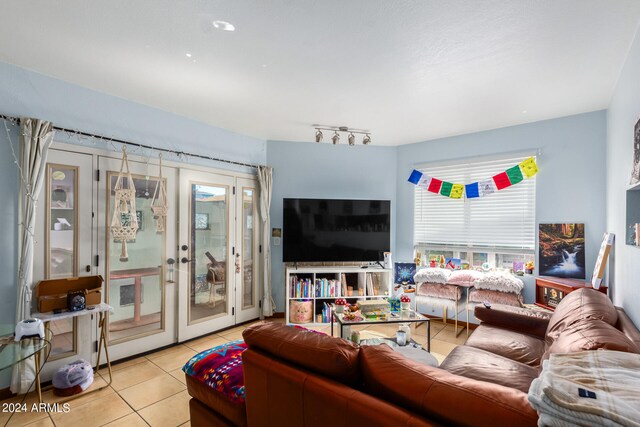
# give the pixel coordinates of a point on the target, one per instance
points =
(432, 275)
(464, 277)
(498, 281)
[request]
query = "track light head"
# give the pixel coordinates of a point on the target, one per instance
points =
(319, 135)
(335, 138)
(352, 139)
(349, 132)
(366, 140)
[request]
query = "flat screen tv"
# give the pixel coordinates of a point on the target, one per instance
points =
(335, 230)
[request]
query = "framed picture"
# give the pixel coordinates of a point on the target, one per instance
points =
(453, 264)
(561, 250)
(635, 172)
(202, 221)
(404, 272)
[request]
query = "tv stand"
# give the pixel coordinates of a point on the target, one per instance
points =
(309, 290)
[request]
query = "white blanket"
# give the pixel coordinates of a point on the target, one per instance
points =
(612, 377)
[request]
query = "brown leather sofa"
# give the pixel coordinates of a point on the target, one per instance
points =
(510, 344)
(298, 378)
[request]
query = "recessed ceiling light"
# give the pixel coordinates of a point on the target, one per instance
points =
(188, 55)
(223, 25)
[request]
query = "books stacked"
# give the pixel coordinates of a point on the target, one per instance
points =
(328, 288)
(326, 313)
(301, 288)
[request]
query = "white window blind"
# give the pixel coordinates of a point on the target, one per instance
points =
(504, 220)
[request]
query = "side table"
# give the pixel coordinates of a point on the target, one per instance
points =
(99, 309)
(551, 290)
(13, 352)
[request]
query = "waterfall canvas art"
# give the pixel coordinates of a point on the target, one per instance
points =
(561, 250)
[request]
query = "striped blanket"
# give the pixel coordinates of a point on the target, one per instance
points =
(588, 388)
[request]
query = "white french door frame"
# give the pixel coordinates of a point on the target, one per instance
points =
(88, 332)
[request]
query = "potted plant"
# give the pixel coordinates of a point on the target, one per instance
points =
(528, 267)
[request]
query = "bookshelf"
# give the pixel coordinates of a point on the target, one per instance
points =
(309, 288)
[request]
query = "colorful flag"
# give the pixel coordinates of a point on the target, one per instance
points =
(456, 191)
(501, 180)
(415, 176)
(445, 189)
(434, 185)
(514, 174)
(472, 190)
(529, 167)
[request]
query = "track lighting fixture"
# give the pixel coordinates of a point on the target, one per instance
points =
(351, 138)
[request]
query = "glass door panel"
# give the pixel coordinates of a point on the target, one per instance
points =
(208, 290)
(207, 253)
(142, 288)
(135, 285)
(63, 237)
(248, 237)
(62, 244)
(247, 256)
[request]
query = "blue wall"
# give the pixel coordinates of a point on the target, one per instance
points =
(570, 186)
(622, 116)
(323, 170)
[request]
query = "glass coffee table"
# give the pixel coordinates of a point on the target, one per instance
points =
(404, 316)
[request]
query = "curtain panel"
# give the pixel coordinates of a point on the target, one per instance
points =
(265, 177)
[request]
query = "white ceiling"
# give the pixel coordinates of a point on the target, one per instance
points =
(407, 70)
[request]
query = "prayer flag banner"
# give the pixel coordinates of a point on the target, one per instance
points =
(445, 190)
(415, 177)
(456, 191)
(472, 190)
(425, 180)
(434, 185)
(529, 167)
(501, 180)
(514, 175)
(487, 187)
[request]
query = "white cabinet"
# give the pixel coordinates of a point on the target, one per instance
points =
(311, 290)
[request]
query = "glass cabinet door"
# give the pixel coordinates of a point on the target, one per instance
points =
(61, 260)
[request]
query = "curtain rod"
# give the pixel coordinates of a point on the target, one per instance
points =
(121, 141)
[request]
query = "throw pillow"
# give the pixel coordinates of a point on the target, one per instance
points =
(464, 277)
(498, 281)
(432, 275)
(220, 368)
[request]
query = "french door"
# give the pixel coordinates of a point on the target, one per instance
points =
(198, 275)
(218, 234)
(63, 245)
(139, 282)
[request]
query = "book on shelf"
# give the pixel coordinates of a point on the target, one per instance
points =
(301, 288)
(328, 288)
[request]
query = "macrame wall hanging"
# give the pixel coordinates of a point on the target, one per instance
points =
(159, 205)
(124, 223)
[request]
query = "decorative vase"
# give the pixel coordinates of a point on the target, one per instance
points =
(406, 305)
(339, 308)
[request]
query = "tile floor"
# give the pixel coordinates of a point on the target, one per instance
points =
(151, 391)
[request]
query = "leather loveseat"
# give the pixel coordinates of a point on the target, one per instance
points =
(294, 377)
(510, 344)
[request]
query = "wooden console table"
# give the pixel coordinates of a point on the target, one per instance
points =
(551, 290)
